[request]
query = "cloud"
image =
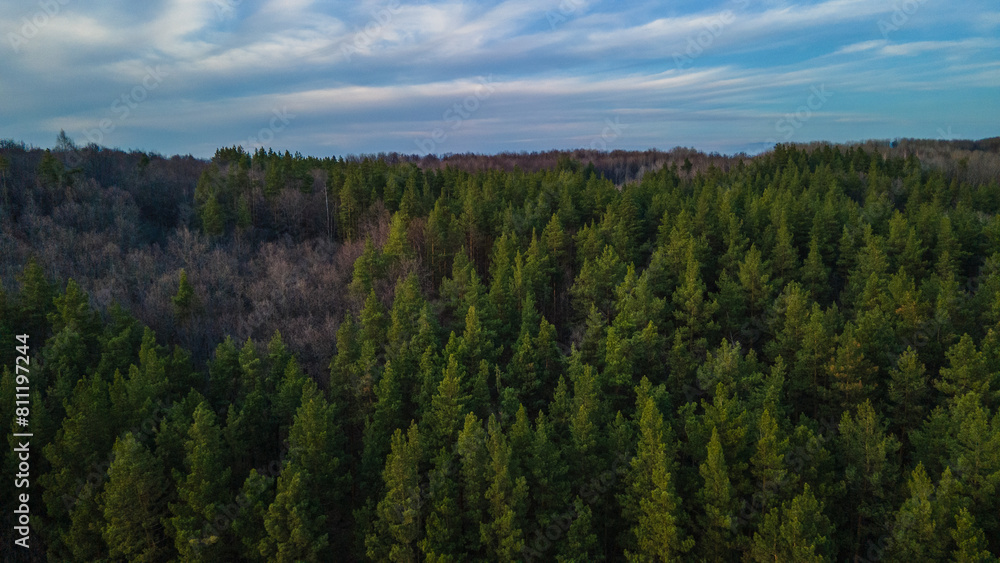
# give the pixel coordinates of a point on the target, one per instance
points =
(919, 47)
(375, 74)
(859, 47)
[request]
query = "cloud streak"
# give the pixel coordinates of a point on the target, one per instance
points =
(371, 76)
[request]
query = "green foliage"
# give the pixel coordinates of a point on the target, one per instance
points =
(797, 531)
(185, 301)
(133, 501)
(790, 357)
(650, 502)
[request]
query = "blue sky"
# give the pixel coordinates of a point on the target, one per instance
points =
(333, 78)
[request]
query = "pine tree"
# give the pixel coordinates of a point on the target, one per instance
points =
(970, 542)
(650, 503)
(185, 301)
(86, 436)
(443, 517)
(133, 502)
(907, 392)
(850, 372)
(315, 445)
(915, 534)
(202, 492)
(972, 444)
(595, 284)
(502, 293)
(295, 523)
(400, 512)
(694, 317)
(253, 500)
(584, 424)
(791, 314)
(581, 543)
(213, 221)
(755, 280)
(550, 475)
(473, 461)
(870, 468)
(808, 384)
(966, 371)
(785, 257)
(717, 498)
(35, 300)
(815, 275)
(506, 498)
(442, 421)
(369, 268)
(767, 463)
(397, 246)
(797, 531)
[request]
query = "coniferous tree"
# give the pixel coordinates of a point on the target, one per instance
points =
(400, 512)
(202, 491)
(473, 461)
(870, 470)
(650, 503)
(506, 497)
(717, 498)
(915, 533)
(443, 516)
(797, 531)
(767, 463)
(185, 300)
(134, 503)
(970, 542)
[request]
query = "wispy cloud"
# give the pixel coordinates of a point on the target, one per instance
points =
(371, 75)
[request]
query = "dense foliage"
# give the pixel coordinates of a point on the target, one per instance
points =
(676, 356)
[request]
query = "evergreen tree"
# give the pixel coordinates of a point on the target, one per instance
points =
(870, 468)
(767, 463)
(650, 502)
(202, 491)
(581, 543)
(970, 542)
(185, 301)
(400, 512)
(134, 502)
(797, 531)
(506, 497)
(915, 533)
(717, 498)
(907, 392)
(443, 419)
(295, 523)
(473, 461)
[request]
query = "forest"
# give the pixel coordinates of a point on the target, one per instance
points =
(569, 356)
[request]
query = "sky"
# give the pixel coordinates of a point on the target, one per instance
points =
(337, 78)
